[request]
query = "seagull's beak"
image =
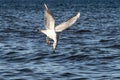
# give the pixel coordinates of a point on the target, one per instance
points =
(53, 51)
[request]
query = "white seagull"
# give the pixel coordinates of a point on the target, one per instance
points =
(51, 30)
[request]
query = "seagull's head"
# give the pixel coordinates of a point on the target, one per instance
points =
(38, 30)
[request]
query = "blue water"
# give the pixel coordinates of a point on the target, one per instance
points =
(88, 50)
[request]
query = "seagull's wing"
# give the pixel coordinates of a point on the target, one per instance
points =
(67, 23)
(48, 19)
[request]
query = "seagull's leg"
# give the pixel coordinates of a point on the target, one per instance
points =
(48, 40)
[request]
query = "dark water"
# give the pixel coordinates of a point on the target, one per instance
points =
(89, 50)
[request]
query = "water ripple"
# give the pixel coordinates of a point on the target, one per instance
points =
(88, 50)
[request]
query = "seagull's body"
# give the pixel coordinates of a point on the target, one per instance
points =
(51, 30)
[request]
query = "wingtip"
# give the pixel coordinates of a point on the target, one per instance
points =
(78, 14)
(45, 6)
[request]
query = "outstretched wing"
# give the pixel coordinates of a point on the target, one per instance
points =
(67, 23)
(48, 19)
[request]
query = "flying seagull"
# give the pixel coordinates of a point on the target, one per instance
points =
(51, 30)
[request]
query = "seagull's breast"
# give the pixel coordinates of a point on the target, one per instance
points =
(51, 33)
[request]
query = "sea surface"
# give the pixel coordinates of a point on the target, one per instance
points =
(88, 50)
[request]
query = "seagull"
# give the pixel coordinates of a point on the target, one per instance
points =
(51, 30)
